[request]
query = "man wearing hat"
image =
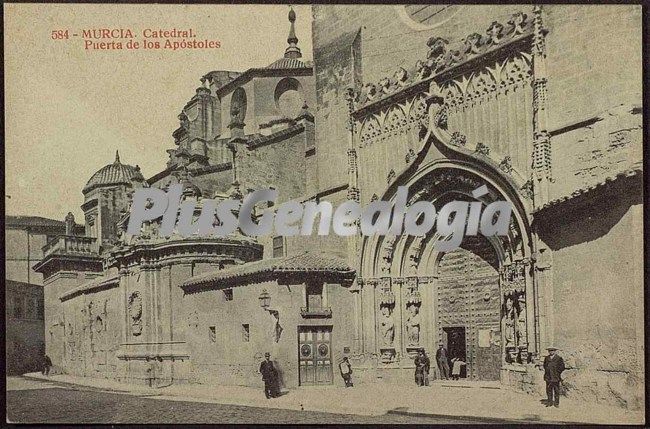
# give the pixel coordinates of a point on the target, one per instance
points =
(269, 376)
(442, 361)
(553, 367)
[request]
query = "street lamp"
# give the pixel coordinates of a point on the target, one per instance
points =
(265, 299)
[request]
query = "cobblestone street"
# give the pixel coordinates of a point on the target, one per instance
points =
(30, 401)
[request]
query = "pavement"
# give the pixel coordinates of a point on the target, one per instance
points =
(453, 400)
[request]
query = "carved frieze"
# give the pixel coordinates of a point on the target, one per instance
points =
(442, 56)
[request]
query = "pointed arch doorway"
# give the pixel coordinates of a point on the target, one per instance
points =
(468, 308)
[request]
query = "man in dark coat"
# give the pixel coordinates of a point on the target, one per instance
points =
(553, 367)
(442, 361)
(422, 365)
(269, 376)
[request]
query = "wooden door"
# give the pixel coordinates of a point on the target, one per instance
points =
(315, 355)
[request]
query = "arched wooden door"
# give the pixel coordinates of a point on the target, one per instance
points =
(468, 307)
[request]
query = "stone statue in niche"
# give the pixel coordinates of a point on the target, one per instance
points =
(522, 337)
(413, 325)
(135, 313)
(508, 323)
(387, 326)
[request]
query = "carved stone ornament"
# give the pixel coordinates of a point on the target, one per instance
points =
(527, 189)
(442, 56)
(506, 165)
(135, 313)
(494, 31)
(391, 176)
(458, 139)
(482, 149)
(410, 156)
(401, 76)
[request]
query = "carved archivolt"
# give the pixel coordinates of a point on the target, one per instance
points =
(392, 121)
(460, 93)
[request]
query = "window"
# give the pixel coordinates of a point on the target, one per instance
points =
(314, 296)
(289, 97)
(228, 294)
(427, 16)
(18, 307)
(278, 246)
(238, 106)
(213, 334)
(245, 333)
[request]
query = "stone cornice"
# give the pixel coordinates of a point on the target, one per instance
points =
(165, 251)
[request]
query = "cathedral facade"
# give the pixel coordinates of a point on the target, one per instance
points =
(443, 100)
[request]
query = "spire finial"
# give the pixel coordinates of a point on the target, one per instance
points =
(117, 157)
(292, 51)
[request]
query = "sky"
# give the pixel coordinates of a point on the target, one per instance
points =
(68, 109)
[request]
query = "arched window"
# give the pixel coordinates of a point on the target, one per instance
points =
(289, 97)
(427, 16)
(238, 105)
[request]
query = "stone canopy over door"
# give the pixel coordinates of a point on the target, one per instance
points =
(468, 303)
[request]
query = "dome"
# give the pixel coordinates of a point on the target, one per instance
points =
(114, 174)
(287, 63)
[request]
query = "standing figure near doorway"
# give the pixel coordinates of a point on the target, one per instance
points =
(269, 376)
(442, 361)
(346, 372)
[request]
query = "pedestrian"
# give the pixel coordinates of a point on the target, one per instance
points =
(269, 376)
(421, 372)
(419, 365)
(427, 367)
(346, 372)
(553, 367)
(47, 364)
(442, 361)
(457, 364)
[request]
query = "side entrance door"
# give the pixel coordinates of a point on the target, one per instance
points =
(315, 355)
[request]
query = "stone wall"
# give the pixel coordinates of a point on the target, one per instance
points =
(609, 143)
(92, 334)
(280, 164)
(221, 356)
(597, 319)
(55, 331)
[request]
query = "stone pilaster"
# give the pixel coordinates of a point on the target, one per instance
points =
(541, 138)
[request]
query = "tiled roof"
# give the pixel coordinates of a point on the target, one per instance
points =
(287, 63)
(634, 171)
(33, 221)
(307, 263)
(113, 174)
(89, 286)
